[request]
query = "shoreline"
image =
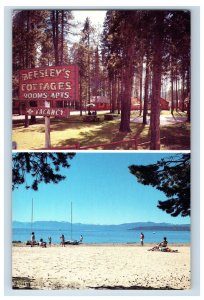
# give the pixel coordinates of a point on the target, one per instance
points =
(99, 266)
(23, 244)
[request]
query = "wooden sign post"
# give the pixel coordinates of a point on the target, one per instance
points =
(48, 112)
(47, 127)
(47, 132)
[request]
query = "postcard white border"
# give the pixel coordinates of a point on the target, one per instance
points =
(195, 140)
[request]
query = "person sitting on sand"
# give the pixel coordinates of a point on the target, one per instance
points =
(42, 243)
(160, 246)
(62, 240)
(164, 243)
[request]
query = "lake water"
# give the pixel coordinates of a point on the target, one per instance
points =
(99, 236)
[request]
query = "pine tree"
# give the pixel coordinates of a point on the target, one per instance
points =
(38, 167)
(171, 176)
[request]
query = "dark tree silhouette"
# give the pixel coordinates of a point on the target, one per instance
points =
(41, 167)
(171, 176)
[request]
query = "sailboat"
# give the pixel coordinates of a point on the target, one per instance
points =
(31, 229)
(72, 242)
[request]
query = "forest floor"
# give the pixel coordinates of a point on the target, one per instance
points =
(174, 131)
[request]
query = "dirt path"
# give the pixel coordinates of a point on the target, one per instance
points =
(164, 119)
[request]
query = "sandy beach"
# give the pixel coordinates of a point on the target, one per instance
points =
(100, 267)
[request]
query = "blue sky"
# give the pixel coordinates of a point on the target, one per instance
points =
(102, 191)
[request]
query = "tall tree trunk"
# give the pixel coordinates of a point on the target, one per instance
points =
(189, 108)
(145, 109)
(80, 95)
(89, 79)
(113, 93)
(125, 108)
(183, 92)
(55, 34)
(172, 92)
(96, 74)
(126, 92)
(176, 90)
(110, 95)
(156, 83)
(189, 96)
(26, 123)
(27, 38)
(57, 39)
(141, 79)
(118, 92)
(62, 38)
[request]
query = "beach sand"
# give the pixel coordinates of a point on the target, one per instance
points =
(100, 267)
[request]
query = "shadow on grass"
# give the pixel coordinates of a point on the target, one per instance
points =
(55, 124)
(139, 128)
(177, 136)
(174, 136)
(104, 132)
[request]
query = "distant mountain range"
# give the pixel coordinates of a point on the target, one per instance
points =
(54, 225)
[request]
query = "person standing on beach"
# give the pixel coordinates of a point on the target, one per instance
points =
(142, 239)
(32, 239)
(81, 238)
(62, 240)
(50, 240)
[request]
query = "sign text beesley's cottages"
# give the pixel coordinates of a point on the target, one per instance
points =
(50, 83)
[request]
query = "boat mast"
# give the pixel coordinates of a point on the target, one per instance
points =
(32, 216)
(71, 220)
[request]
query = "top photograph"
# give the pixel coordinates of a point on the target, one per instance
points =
(101, 79)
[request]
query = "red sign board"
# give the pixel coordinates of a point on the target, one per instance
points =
(49, 83)
(48, 112)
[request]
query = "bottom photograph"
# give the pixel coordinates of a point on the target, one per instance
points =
(101, 221)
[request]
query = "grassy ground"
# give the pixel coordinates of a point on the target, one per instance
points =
(69, 132)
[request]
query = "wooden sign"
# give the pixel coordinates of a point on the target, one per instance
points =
(50, 83)
(48, 112)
